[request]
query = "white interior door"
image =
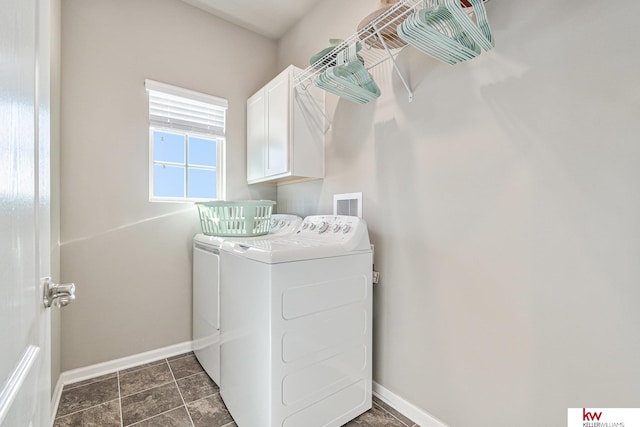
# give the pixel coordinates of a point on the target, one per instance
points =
(25, 389)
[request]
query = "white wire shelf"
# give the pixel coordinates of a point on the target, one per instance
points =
(378, 39)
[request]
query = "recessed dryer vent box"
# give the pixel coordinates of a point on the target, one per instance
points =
(348, 204)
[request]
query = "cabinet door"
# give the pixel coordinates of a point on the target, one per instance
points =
(278, 119)
(256, 137)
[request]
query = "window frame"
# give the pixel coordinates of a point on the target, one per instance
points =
(219, 167)
(196, 126)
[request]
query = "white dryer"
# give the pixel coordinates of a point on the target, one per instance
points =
(296, 325)
(206, 290)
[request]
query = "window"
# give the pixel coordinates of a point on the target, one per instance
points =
(186, 144)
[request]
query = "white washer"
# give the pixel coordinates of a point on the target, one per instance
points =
(206, 290)
(296, 325)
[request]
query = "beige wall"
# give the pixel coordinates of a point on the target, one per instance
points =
(504, 206)
(56, 21)
(131, 259)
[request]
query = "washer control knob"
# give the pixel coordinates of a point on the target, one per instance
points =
(336, 228)
(282, 223)
(274, 222)
(312, 226)
(324, 226)
(305, 225)
(346, 228)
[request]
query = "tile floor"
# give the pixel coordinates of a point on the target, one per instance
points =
(173, 392)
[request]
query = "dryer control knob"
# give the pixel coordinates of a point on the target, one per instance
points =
(346, 228)
(312, 226)
(324, 226)
(305, 225)
(336, 228)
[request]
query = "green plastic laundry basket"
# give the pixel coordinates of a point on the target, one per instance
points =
(242, 218)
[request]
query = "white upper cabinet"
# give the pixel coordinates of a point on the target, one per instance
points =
(256, 137)
(285, 131)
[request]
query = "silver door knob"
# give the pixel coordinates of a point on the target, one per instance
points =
(59, 295)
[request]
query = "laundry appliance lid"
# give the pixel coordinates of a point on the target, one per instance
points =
(308, 242)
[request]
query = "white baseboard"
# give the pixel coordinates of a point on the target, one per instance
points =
(409, 410)
(55, 399)
(81, 374)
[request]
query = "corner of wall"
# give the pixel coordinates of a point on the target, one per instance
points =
(56, 34)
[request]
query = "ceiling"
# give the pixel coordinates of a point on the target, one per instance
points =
(270, 18)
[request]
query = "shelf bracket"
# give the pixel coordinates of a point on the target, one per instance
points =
(315, 105)
(393, 60)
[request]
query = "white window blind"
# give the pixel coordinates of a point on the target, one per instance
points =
(173, 107)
